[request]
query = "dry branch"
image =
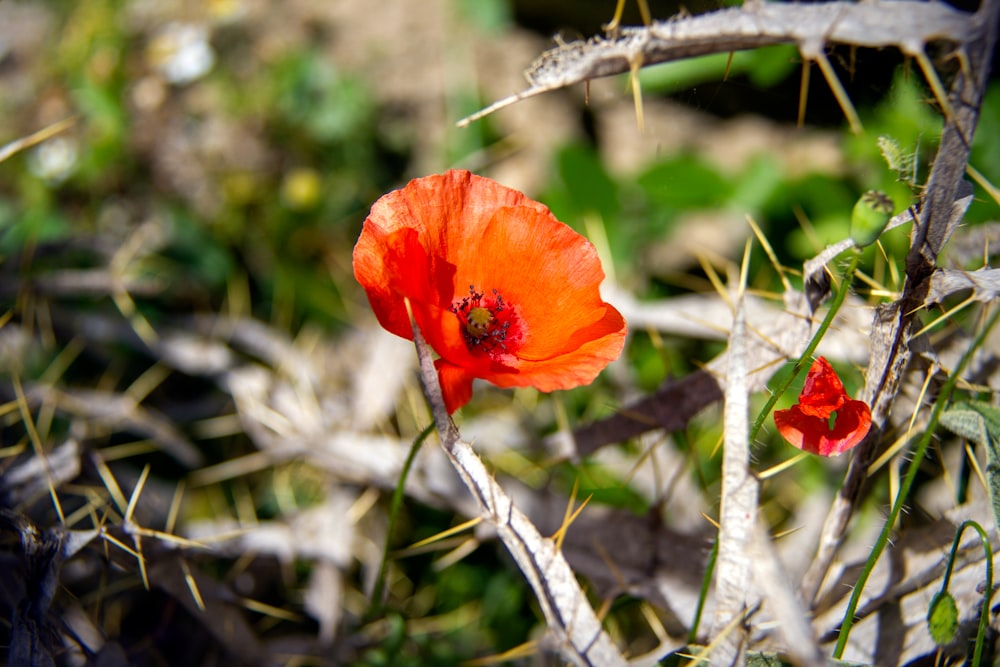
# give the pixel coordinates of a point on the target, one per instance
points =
(578, 634)
(738, 512)
(984, 283)
(907, 24)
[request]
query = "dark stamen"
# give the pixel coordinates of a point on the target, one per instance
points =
(480, 335)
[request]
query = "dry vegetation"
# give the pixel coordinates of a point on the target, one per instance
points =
(203, 426)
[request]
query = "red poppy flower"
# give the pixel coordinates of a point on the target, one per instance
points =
(825, 421)
(499, 288)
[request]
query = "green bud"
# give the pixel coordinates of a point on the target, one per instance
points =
(942, 619)
(870, 216)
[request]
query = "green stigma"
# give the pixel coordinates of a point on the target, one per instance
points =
(478, 321)
(485, 322)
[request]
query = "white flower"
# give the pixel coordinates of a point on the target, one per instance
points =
(181, 52)
(54, 160)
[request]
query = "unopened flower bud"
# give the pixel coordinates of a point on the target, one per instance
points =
(870, 216)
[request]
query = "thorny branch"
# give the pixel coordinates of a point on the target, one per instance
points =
(578, 632)
(906, 24)
(738, 507)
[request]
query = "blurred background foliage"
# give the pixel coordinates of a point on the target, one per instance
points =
(224, 155)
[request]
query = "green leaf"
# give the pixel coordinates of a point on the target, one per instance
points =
(991, 416)
(976, 421)
(764, 660)
(979, 422)
(685, 183)
(330, 105)
(757, 184)
(198, 255)
(490, 16)
(765, 67)
(590, 187)
(966, 423)
(903, 163)
(942, 619)
(35, 225)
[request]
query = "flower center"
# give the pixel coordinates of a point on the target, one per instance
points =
(478, 323)
(486, 321)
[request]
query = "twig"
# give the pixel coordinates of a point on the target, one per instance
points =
(738, 513)
(906, 24)
(18, 145)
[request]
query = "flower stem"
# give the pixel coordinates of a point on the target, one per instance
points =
(801, 363)
(703, 595)
(376, 603)
(984, 612)
(916, 460)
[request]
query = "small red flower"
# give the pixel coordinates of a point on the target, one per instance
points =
(825, 421)
(500, 289)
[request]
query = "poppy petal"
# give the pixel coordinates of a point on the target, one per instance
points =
(501, 289)
(395, 267)
(793, 425)
(599, 345)
(442, 330)
(456, 385)
(823, 392)
(854, 420)
(807, 425)
(566, 275)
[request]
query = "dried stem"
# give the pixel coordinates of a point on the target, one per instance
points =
(579, 636)
(906, 24)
